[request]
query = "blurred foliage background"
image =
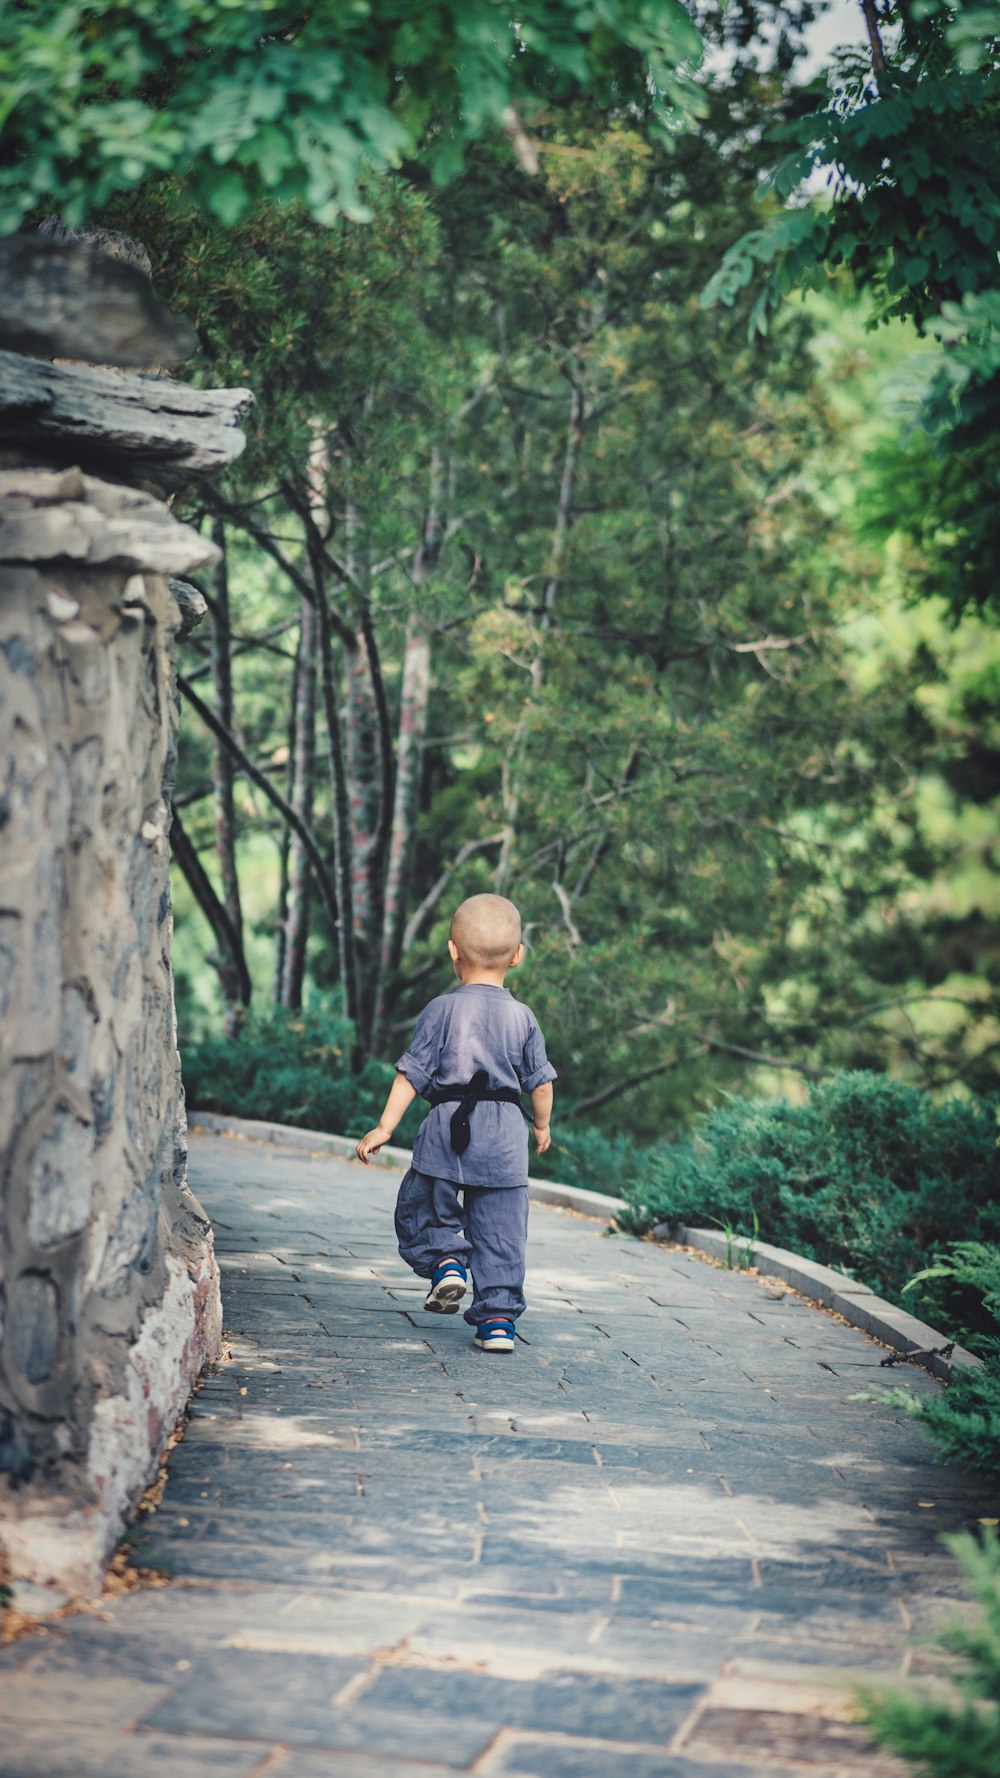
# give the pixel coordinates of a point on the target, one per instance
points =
(543, 573)
(618, 527)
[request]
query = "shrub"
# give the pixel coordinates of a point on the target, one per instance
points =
(964, 1420)
(954, 1735)
(292, 1068)
(963, 1285)
(867, 1175)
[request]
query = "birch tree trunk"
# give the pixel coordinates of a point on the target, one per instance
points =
(304, 779)
(413, 706)
(280, 934)
(318, 528)
(364, 797)
(233, 989)
(368, 766)
(414, 698)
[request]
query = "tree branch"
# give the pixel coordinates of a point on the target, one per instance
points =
(874, 36)
(232, 962)
(211, 721)
(301, 581)
(562, 898)
(623, 1086)
(737, 1049)
(412, 928)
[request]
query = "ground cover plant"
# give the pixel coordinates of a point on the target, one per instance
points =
(954, 1733)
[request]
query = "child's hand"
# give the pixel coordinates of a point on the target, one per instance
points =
(543, 1137)
(371, 1143)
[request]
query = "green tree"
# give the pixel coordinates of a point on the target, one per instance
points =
(907, 136)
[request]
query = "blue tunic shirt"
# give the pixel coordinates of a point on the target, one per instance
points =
(476, 1026)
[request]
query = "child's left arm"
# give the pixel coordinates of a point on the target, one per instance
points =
(401, 1096)
(541, 1113)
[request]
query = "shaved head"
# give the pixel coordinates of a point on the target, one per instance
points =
(487, 931)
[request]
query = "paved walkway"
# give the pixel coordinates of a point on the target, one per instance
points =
(648, 1545)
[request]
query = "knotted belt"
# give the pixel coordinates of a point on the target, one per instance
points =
(468, 1096)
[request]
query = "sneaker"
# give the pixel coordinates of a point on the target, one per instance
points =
(496, 1335)
(447, 1288)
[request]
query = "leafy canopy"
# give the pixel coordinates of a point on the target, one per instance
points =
(252, 99)
(908, 137)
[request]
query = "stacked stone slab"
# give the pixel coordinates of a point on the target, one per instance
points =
(109, 1300)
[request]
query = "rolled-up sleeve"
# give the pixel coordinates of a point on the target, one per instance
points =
(417, 1061)
(535, 1067)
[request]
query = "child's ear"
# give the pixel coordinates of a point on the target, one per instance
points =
(453, 950)
(518, 958)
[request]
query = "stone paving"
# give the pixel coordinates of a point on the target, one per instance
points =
(659, 1541)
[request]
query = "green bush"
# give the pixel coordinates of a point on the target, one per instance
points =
(964, 1420)
(292, 1068)
(958, 1735)
(867, 1175)
(963, 1285)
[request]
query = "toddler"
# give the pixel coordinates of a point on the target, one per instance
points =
(473, 1053)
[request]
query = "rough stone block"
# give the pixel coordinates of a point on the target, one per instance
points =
(32, 1326)
(72, 297)
(60, 1180)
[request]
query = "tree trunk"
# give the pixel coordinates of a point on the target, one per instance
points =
(280, 933)
(368, 767)
(343, 839)
(317, 521)
(222, 772)
(303, 781)
(511, 770)
(414, 700)
(364, 797)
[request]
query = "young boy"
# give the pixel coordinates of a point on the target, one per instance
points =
(473, 1053)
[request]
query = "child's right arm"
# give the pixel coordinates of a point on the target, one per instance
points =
(401, 1096)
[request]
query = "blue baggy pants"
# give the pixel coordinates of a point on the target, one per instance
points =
(487, 1231)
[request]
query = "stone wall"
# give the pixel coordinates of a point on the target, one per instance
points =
(109, 1302)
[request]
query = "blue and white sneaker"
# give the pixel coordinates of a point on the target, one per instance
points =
(496, 1335)
(447, 1288)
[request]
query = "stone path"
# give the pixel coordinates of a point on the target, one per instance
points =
(651, 1544)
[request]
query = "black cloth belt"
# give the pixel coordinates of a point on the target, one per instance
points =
(468, 1096)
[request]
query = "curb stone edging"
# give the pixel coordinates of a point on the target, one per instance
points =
(546, 1191)
(856, 1303)
(251, 1129)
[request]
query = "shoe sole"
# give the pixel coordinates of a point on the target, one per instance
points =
(446, 1296)
(501, 1345)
